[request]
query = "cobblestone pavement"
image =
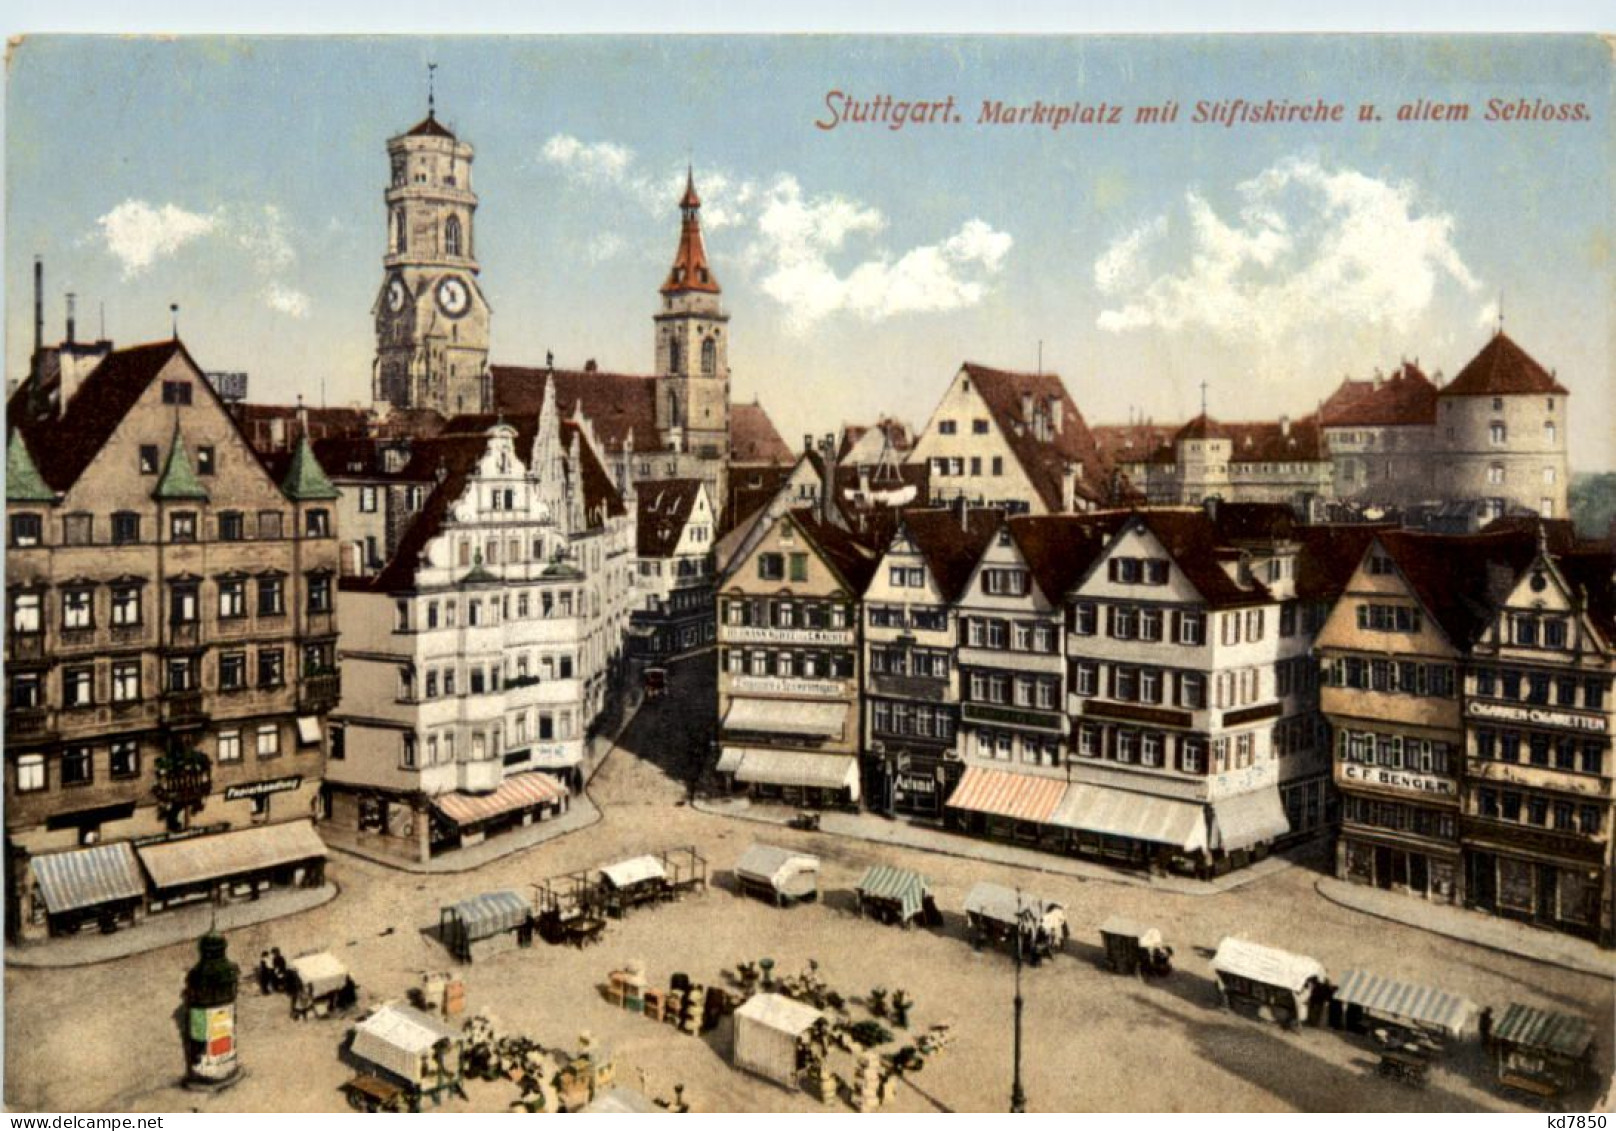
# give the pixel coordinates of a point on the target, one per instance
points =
(104, 1037)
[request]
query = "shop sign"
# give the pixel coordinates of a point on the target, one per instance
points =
(822, 637)
(262, 788)
(915, 783)
(1540, 716)
(1399, 779)
(781, 685)
(555, 753)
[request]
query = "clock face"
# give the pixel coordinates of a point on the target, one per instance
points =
(396, 295)
(453, 296)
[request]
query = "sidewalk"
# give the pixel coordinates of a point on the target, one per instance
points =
(899, 832)
(579, 815)
(166, 928)
(1505, 935)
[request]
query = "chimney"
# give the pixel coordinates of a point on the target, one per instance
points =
(1069, 486)
(589, 366)
(1284, 425)
(1379, 377)
(827, 484)
(807, 443)
(962, 508)
(1210, 506)
(72, 304)
(1026, 409)
(39, 305)
(1057, 413)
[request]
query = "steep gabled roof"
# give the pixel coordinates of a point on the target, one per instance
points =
(1043, 462)
(1330, 556)
(1460, 579)
(665, 506)
(1060, 548)
(616, 404)
(853, 559)
(1407, 397)
(951, 544)
(1191, 539)
(1502, 368)
(1255, 441)
(23, 481)
(1131, 443)
(753, 437)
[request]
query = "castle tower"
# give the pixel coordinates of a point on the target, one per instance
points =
(431, 317)
(692, 347)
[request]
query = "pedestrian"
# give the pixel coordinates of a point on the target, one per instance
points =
(266, 974)
(1485, 1024)
(278, 963)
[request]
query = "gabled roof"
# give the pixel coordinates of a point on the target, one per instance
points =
(1591, 571)
(179, 480)
(1330, 556)
(1407, 397)
(23, 481)
(665, 506)
(452, 458)
(1258, 441)
(1254, 522)
(1131, 443)
(1060, 548)
(1193, 543)
(1043, 462)
(617, 404)
(1502, 368)
(1460, 579)
(950, 543)
(753, 437)
(853, 559)
(305, 479)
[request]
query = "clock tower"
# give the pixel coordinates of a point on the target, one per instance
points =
(431, 317)
(692, 347)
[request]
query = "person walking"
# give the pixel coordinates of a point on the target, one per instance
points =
(278, 964)
(266, 973)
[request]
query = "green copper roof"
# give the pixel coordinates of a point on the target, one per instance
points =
(305, 478)
(179, 480)
(24, 484)
(477, 575)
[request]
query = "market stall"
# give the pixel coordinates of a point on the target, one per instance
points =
(1276, 984)
(1131, 948)
(320, 984)
(894, 895)
(1540, 1052)
(486, 925)
(778, 874)
(407, 1048)
(1408, 1013)
(102, 884)
(999, 914)
(769, 1029)
(629, 883)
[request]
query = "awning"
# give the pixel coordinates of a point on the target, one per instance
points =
(177, 862)
(1544, 1029)
(780, 1013)
(1136, 816)
(787, 716)
(519, 791)
(907, 889)
(320, 973)
(779, 867)
(396, 1037)
(1249, 818)
(626, 873)
(1448, 1012)
(1023, 797)
(799, 768)
(1005, 905)
(88, 877)
(308, 730)
(484, 916)
(1267, 965)
(730, 760)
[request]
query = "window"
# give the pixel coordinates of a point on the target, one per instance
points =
(317, 523)
(269, 524)
(1085, 619)
(1287, 619)
(124, 759)
(998, 465)
(1124, 624)
(1192, 691)
(451, 236)
(232, 671)
(229, 746)
(1192, 756)
(946, 427)
(1005, 582)
(77, 766)
(126, 681)
(1085, 679)
(1551, 434)
(320, 593)
(269, 741)
(205, 463)
(232, 598)
(182, 526)
(125, 528)
(78, 608)
(1497, 433)
(30, 773)
(176, 392)
(26, 530)
(271, 667)
(771, 567)
(1150, 624)
(27, 610)
(271, 597)
(1495, 474)
(78, 687)
(1192, 629)
(78, 529)
(148, 459)
(125, 606)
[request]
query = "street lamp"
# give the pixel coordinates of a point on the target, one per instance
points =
(1018, 1097)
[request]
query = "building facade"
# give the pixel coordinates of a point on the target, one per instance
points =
(171, 648)
(673, 599)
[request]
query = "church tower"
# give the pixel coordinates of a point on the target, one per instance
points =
(692, 347)
(431, 317)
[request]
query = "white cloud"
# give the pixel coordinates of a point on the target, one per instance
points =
(262, 235)
(287, 300)
(137, 233)
(1308, 241)
(797, 244)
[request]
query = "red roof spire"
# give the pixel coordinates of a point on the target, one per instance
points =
(690, 271)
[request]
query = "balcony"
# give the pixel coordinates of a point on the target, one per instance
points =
(319, 693)
(25, 647)
(909, 687)
(77, 639)
(185, 634)
(184, 708)
(28, 722)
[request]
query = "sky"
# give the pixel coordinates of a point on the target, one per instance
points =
(242, 179)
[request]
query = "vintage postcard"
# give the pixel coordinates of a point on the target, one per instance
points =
(809, 573)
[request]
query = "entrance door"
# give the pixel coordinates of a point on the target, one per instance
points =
(1383, 867)
(1400, 869)
(1548, 893)
(1481, 880)
(1419, 880)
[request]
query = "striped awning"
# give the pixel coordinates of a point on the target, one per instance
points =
(803, 768)
(221, 855)
(1022, 797)
(1545, 1030)
(88, 877)
(1420, 1004)
(519, 791)
(1134, 816)
(787, 716)
(907, 889)
(484, 916)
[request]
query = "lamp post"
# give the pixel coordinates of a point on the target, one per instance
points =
(1018, 1097)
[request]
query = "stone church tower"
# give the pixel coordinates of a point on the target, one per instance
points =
(692, 347)
(431, 317)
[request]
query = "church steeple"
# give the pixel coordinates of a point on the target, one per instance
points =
(690, 271)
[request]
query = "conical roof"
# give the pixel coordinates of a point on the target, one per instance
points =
(179, 481)
(24, 484)
(305, 478)
(690, 271)
(1502, 368)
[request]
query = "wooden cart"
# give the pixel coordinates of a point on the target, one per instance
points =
(1131, 948)
(371, 1093)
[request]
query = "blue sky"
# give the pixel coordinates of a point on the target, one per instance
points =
(242, 179)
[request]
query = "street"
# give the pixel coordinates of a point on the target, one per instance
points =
(104, 1037)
